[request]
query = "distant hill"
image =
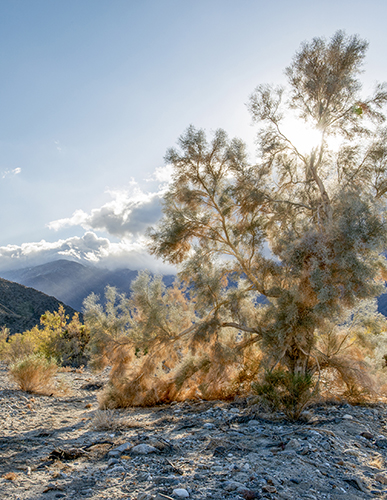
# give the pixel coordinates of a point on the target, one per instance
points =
(72, 282)
(21, 307)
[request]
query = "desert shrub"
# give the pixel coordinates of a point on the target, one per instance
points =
(56, 337)
(350, 353)
(104, 420)
(34, 373)
(285, 391)
(160, 350)
(4, 335)
(17, 347)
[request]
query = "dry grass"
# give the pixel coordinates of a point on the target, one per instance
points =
(34, 374)
(104, 420)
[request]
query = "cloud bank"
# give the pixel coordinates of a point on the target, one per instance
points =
(126, 217)
(88, 249)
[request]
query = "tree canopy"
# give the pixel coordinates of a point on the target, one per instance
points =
(280, 248)
(280, 258)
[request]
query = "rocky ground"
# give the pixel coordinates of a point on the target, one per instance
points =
(64, 447)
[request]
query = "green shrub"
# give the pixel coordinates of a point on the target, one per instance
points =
(285, 391)
(56, 337)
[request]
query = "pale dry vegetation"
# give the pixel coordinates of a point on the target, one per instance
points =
(34, 356)
(156, 352)
(35, 374)
(277, 256)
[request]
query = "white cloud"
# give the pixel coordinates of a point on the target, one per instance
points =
(126, 217)
(88, 249)
(162, 174)
(129, 214)
(9, 173)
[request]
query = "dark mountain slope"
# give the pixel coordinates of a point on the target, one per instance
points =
(22, 307)
(71, 282)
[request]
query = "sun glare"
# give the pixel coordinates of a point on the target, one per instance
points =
(304, 137)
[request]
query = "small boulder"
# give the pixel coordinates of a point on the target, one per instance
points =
(144, 449)
(180, 493)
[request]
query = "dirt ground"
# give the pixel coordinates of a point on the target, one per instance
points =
(64, 447)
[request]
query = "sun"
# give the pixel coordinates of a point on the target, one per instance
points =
(304, 137)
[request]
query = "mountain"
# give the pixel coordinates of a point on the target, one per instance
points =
(72, 282)
(21, 307)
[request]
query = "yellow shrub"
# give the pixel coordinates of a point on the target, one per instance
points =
(34, 373)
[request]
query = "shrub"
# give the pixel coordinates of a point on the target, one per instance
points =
(157, 353)
(17, 347)
(285, 391)
(56, 337)
(34, 374)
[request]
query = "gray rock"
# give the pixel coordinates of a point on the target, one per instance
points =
(241, 477)
(123, 447)
(293, 444)
(381, 443)
(116, 470)
(233, 485)
(355, 483)
(180, 493)
(144, 449)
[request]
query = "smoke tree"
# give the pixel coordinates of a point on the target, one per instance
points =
(303, 231)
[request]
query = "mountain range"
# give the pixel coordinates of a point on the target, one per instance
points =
(21, 307)
(71, 282)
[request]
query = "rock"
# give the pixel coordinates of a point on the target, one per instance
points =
(253, 457)
(208, 425)
(347, 417)
(116, 470)
(293, 444)
(253, 423)
(381, 443)
(219, 451)
(180, 492)
(144, 496)
(241, 477)
(166, 480)
(123, 447)
(250, 494)
(381, 478)
(367, 435)
(233, 485)
(144, 449)
(268, 488)
(355, 483)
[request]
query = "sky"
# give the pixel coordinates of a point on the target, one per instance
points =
(93, 93)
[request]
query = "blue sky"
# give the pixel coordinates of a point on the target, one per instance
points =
(93, 92)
